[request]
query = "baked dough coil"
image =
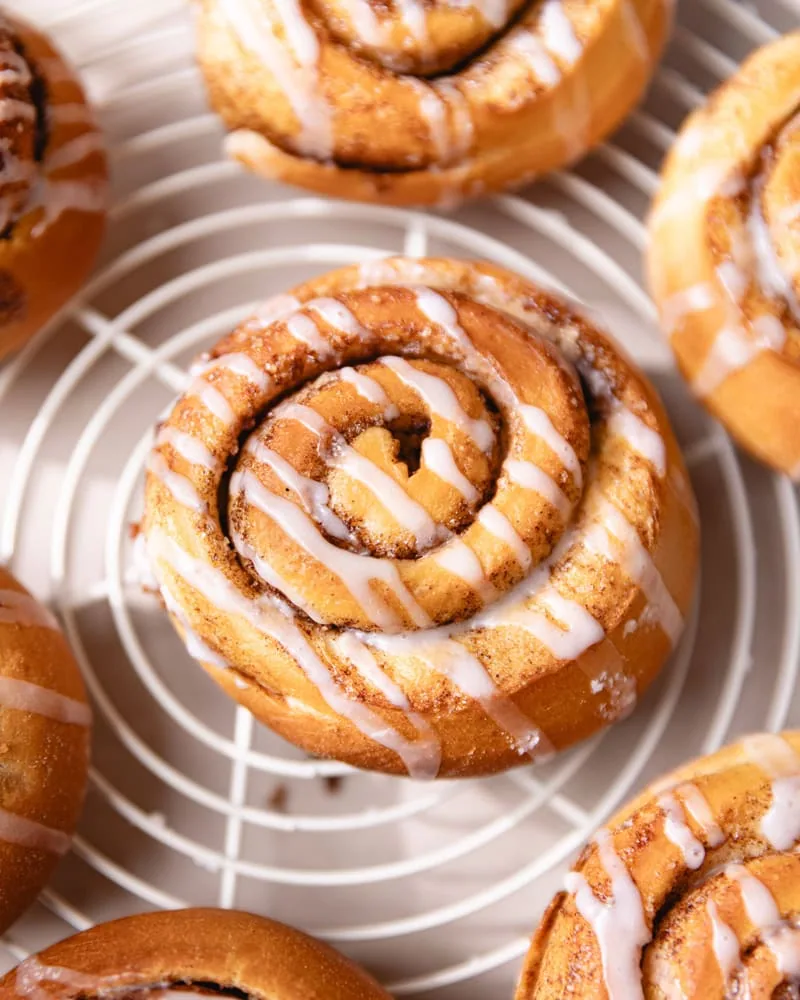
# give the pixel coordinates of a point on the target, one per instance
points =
(423, 101)
(691, 891)
(724, 256)
(53, 180)
(423, 517)
(44, 747)
(200, 954)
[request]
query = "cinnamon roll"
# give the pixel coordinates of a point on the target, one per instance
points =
(44, 742)
(202, 954)
(53, 182)
(724, 257)
(423, 102)
(690, 891)
(424, 517)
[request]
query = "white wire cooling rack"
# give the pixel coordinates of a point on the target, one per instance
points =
(435, 888)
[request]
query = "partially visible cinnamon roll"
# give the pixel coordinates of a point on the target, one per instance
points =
(423, 101)
(692, 890)
(724, 255)
(53, 179)
(424, 517)
(44, 747)
(200, 954)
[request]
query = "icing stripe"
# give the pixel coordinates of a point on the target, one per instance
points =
(355, 572)
(780, 824)
(266, 618)
(615, 538)
(19, 608)
(437, 456)
(24, 832)
(531, 477)
(618, 924)
(27, 697)
(442, 402)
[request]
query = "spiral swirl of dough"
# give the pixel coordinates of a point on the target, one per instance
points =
(423, 101)
(724, 257)
(423, 516)
(690, 891)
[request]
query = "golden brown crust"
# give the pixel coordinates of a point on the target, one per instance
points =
(556, 602)
(226, 948)
(690, 890)
(338, 96)
(723, 255)
(53, 179)
(44, 747)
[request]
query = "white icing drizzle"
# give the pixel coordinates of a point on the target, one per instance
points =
(278, 307)
(61, 196)
(781, 938)
(11, 109)
(784, 943)
(686, 302)
(568, 633)
(774, 279)
(558, 33)
(733, 350)
(423, 762)
(531, 477)
(213, 400)
(313, 495)
(75, 150)
(540, 424)
(780, 824)
(696, 804)
(371, 390)
(409, 514)
(27, 697)
(615, 538)
(642, 439)
(182, 489)
(433, 110)
(724, 942)
(188, 447)
(412, 14)
(499, 525)
(305, 330)
(535, 56)
(468, 674)
(267, 619)
(355, 572)
(195, 646)
(436, 309)
(252, 23)
(240, 364)
(24, 832)
(442, 402)
(437, 455)
(15, 68)
(32, 974)
(18, 608)
(70, 114)
(337, 315)
(619, 924)
(462, 129)
(678, 831)
(460, 560)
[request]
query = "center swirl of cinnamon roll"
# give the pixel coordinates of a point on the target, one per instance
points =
(368, 496)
